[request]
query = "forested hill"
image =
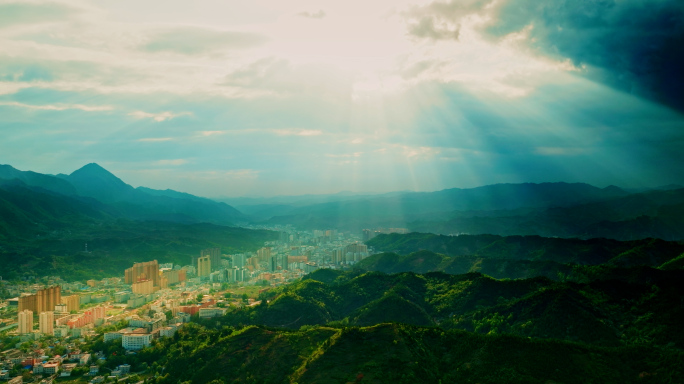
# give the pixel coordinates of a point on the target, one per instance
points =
(651, 252)
(360, 327)
(395, 353)
(43, 232)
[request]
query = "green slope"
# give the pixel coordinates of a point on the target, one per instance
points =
(391, 353)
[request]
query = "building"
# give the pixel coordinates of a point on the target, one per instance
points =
(204, 266)
(73, 302)
(25, 321)
(46, 323)
(135, 341)
(50, 368)
(239, 260)
(297, 259)
(264, 254)
(168, 331)
(253, 262)
(144, 287)
(172, 276)
(41, 301)
(148, 270)
(215, 256)
(61, 331)
(368, 234)
(206, 313)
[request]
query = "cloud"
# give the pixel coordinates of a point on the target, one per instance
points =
(355, 154)
(297, 132)
(211, 133)
(428, 28)
(155, 139)
(16, 13)
(280, 77)
(312, 15)
(632, 45)
(194, 40)
(440, 20)
(170, 162)
(161, 116)
(559, 151)
(58, 107)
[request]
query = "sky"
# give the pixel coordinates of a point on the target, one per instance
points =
(286, 97)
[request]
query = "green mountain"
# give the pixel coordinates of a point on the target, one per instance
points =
(148, 204)
(393, 353)
(651, 252)
(26, 211)
(47, 182)
(359, 327)
(607, 306)
(45, 233)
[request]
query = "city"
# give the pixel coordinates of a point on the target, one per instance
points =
(54, 324)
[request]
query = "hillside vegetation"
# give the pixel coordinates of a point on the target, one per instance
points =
(394, 353)
(45, 233)
(636, 306)
(651, 252)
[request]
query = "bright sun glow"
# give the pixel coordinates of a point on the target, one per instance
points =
(318, 96)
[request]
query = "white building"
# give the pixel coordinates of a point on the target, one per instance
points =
(136, 341)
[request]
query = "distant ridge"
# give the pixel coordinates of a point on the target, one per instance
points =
(120, 199)
(34, 179)
(94, 181)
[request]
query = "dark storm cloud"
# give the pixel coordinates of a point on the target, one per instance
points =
(633, 45)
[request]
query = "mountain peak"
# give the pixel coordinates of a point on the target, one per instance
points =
(92, 168)
(94, 181)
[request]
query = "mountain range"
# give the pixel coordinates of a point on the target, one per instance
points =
(93, 185)
(46, 222)
(545, 209)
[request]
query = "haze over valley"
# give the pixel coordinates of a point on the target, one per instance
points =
(315, 191)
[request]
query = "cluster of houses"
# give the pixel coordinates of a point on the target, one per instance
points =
(44, 368)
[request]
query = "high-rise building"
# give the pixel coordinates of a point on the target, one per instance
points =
(338, 256)
(46, 322)
(204, 266)
(357, 248)
(42, 301)
(148, 270)
(143, 287)
(215, 256)
(283, 261)
(253, 261)
(264, 254)
(25, 321)
(72, 302)
(171, 277)
(369, 234)
(239, 260)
